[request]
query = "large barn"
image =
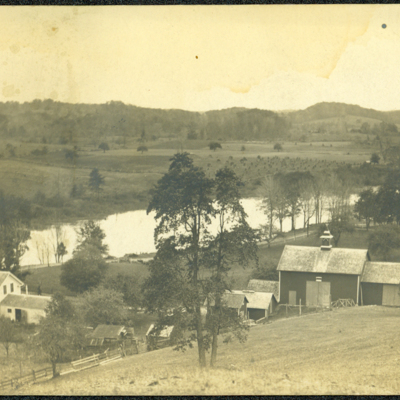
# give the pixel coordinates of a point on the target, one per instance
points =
(320, 275)
(380, 284)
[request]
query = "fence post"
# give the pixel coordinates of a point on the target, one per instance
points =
(286, 311)
(34, 376)
(300, 307)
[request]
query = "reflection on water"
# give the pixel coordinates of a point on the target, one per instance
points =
(132, 232)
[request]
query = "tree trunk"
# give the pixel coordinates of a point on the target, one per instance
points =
(54, 368)
(200, 339)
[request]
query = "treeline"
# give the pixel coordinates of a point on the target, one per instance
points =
(381, 206)
(55, 122)
(293, 194)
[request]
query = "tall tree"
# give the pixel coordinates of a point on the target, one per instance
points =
(85, 270)
(193, 260)
(8, 333)
(60, 332)
(15, 217)
(102, 306)
(366, 206)
(90, 233)
(383, 240)
(96, 181)
(183, 206)
(234, 243)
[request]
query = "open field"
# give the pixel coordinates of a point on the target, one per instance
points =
(49, 277)
(345, 351)
(48, 179)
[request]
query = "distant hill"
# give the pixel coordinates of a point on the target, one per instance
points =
(55, 122)
(63, 123)
(336, 110)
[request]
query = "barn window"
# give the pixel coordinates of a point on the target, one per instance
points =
(9, 310)
(5, 289)
(11, 287)
(318, 279)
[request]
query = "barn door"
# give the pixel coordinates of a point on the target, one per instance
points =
(292, 297)
(311, 293)
(324, 294)
(318, 294)
(390, 295)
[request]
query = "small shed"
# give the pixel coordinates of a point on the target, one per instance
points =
(107, 334)
(260, 285)
(320, 275)
(260, 304)
(381, 284)
(236, 301)
(24, 308)
(159, 339)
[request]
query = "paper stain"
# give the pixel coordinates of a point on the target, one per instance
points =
(10, 91)
(337, 56)
(241, 88)
(15, 48)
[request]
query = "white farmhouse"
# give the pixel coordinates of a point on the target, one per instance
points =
(18, 306)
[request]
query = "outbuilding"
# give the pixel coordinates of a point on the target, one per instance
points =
(261, 285)
(380, 284)
(260, 304)
(235, 300)
(320, 275)
(107, 334)
(24, 308)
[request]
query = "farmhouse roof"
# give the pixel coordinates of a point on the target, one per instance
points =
(29, 302)
(258, 300)
(4, 274)
(381, 272)
(313, 259)
(108, 331)
(259, 285)
(164, 333)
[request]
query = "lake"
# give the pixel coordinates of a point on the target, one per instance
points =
(133, 232)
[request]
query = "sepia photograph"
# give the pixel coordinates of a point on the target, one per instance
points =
(200, 200)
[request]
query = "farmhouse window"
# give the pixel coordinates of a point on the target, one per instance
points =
(5, 289)
(9, 310)
(11, 287)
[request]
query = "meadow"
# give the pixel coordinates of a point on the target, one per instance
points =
(353, 351)
(58, 187)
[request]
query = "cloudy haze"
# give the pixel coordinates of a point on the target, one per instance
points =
(203, 57)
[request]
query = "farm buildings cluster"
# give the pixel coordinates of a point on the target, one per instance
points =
(308, 276)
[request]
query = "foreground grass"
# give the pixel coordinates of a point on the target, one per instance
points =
(346, 351)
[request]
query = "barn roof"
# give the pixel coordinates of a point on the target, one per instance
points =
(108, 331)
(313, 259)
(259, 300)
(381, 272)
(29, 302)
(259, 285)
(234, 300)
(4, 274)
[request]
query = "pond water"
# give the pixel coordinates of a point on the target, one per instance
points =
(133, 232)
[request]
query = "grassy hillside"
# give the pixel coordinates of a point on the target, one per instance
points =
(345, 351)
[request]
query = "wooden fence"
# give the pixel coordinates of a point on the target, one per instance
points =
(78, 365)
(343, 303)
(15, 383)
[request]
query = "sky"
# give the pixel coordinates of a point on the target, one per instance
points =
(199, 58)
